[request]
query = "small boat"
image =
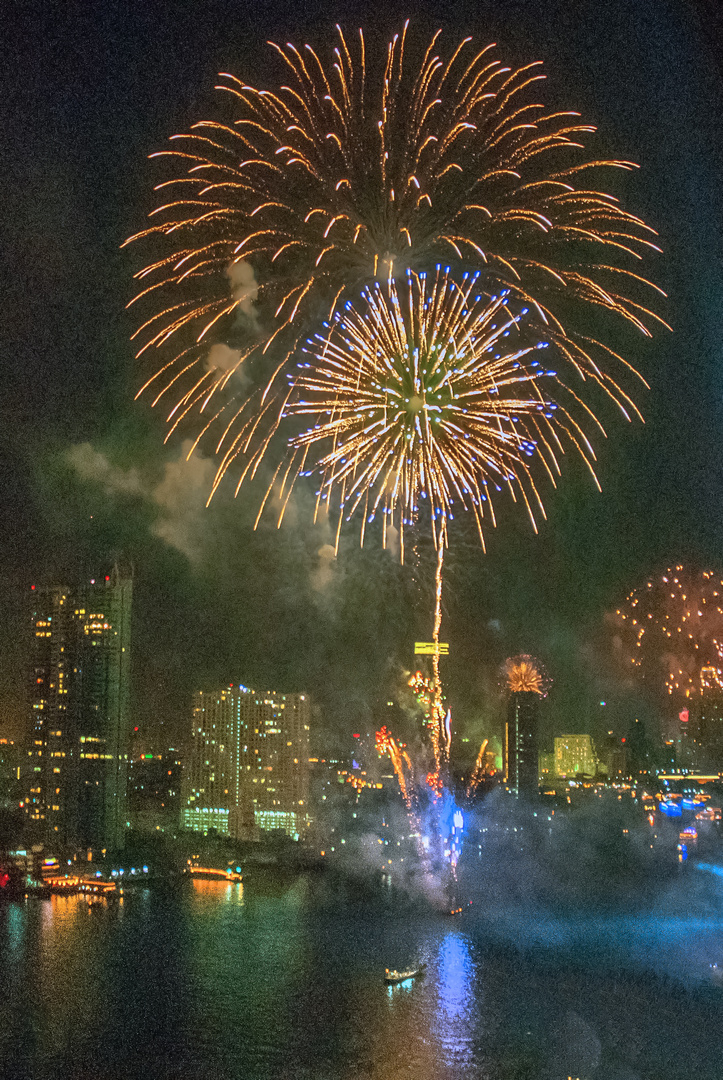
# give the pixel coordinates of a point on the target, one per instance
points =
(392, 976)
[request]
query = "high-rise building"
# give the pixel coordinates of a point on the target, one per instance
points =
(708, 711)
(154, 791)
(613, 756)
(209, 789)
(248, 763)
(10, 764)
(642, 755)
(80, 700)
(274, 775)
(575, 756)
(521, 743)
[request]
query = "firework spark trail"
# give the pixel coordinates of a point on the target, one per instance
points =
(672, 628)
(440, 718)
(436, 826)
(477, 771)
(404, 771)
(387, 744)
(429, 698)
(421, 404)
(357, 170)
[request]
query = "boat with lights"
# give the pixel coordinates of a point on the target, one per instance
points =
(392, 976)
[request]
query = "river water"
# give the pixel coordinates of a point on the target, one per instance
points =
(280, 978)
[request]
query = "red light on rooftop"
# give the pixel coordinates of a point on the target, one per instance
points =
(107, 577)
(32, 587)
(623, 739)
(683, 716)
(356, 736)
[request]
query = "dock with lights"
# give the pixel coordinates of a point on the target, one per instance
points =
(75, 884)
(214, 874)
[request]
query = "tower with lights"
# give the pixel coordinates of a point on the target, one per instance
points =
(80, 700)
(526, 681)
(522, 743)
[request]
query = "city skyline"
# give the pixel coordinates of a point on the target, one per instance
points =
(650, 698)
(94, 480)
(273, 415)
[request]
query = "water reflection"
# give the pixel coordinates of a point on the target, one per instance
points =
(454, 976)
(228, 893)
(13, 930)
(457, 1007)
(275, 982)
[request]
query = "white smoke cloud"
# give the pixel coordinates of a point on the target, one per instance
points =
(222, 357)
(323, 575)
(393, 544)
(301, 515)
(244, 287)
(179, 497)
(245, 291)
(91, 464)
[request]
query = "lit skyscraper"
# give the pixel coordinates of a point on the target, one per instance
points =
(80, 700)
(248, 765)
(521, 742)
(209, 790)
(702, 741)
(10, 766)
(274, 763)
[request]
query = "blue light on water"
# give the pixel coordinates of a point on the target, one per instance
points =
(15, 929)
(711, 868)
(455, 989)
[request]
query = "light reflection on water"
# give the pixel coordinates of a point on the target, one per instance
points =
(229, 894)
(14, 927)
(456, 1013)
(273, 981)
(454, 975)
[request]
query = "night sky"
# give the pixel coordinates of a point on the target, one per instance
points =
(91, 89)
